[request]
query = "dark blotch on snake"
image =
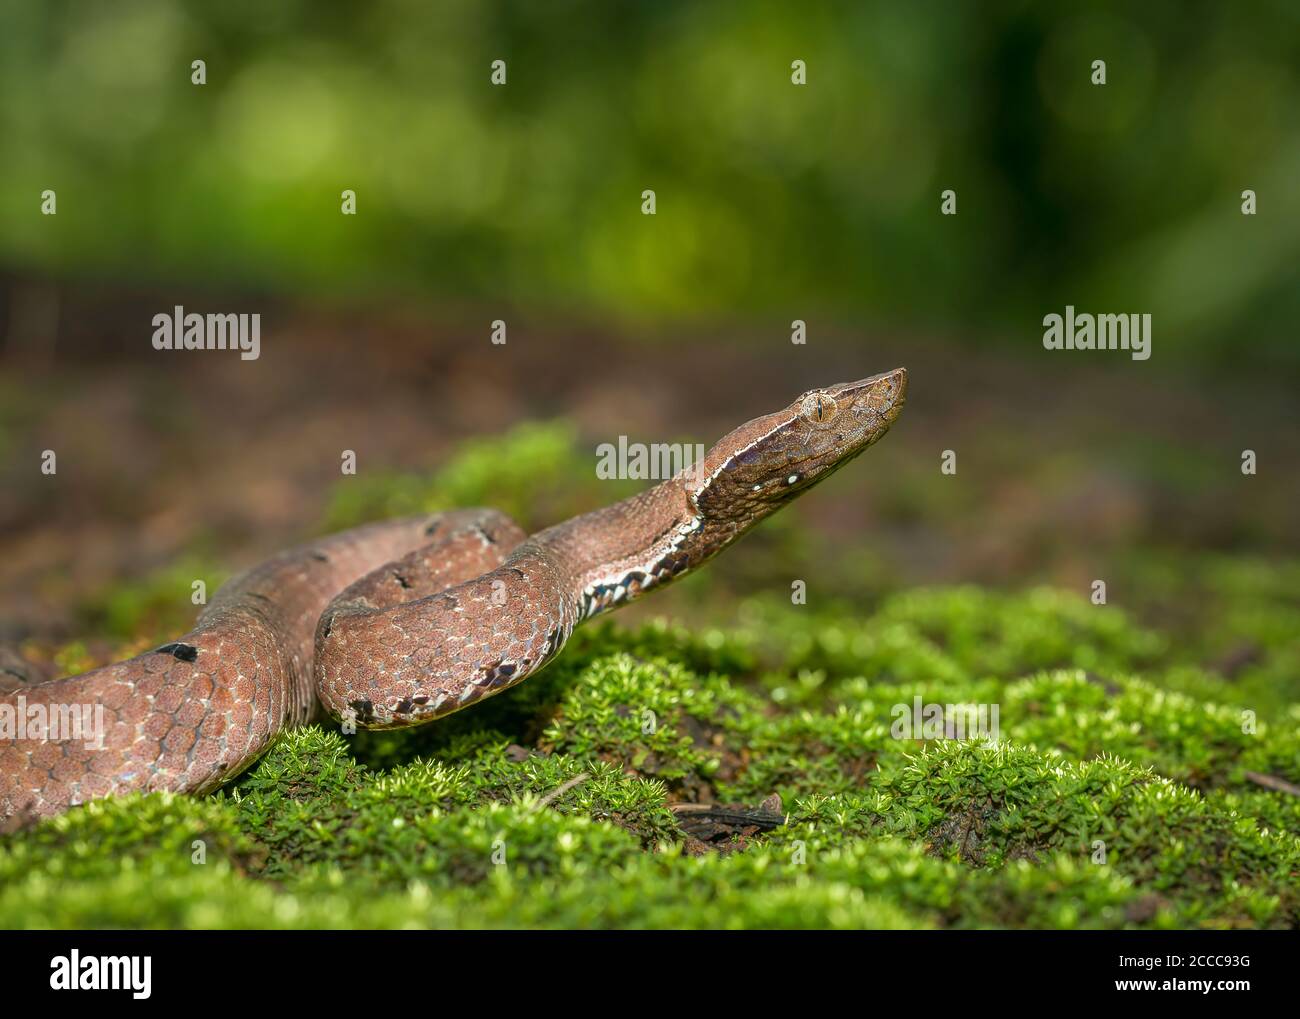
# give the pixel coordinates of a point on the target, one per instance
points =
(181, 652)
(320, 557)
(364, 709)
(406, 584)
(497, 675)
(403, 707)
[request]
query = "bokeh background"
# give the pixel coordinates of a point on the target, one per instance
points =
(774, 203)
(773, 199)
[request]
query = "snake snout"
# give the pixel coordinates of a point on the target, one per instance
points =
(898, 381)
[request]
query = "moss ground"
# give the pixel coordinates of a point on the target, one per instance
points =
(1124, 788)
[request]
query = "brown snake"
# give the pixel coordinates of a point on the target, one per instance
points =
(441, 612)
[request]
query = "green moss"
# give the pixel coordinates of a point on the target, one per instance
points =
(1236, 617)
(534, 473)
(310, 803)
(1201, 744)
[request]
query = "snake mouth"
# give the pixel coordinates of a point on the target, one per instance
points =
(900, 397)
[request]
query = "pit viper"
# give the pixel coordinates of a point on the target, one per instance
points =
(403, 622)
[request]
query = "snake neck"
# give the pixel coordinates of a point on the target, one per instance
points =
(614, 555)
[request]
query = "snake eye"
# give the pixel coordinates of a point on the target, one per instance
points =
(818, 407)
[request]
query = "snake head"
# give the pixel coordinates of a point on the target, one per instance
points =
(766, 462)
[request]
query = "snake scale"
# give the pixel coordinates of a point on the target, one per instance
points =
(403, 622)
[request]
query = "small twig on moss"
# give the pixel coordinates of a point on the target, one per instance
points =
(700, 819)
(559, 791)
(1278, 785)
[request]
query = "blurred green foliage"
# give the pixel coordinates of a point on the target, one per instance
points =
(534, 473)
(159, 603)
(774, 200)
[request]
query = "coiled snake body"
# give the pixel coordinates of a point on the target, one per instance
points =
(437, 613)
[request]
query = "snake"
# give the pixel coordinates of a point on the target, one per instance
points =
(403, 622)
